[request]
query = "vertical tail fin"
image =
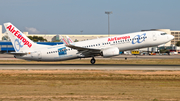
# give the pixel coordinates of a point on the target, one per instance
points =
(21, 42)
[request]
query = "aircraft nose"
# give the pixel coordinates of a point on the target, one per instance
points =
(171, 37)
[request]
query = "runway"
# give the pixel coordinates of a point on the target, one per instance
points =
(120, 57)
(95, 66)
(87, 67)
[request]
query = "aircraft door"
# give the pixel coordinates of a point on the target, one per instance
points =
(39, 55)
(154, 36)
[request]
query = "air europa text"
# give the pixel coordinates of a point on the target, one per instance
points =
(19, 36)
(118, 38)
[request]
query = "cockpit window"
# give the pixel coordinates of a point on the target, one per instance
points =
(163, 33)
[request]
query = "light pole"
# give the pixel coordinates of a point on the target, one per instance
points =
(108, 13)
(81, 32)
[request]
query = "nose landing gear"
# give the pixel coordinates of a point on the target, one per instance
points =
(93, 61)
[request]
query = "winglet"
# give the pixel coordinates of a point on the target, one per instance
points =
(69, 40)
(63, 40)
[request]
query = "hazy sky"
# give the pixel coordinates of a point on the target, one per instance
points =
(72, 16)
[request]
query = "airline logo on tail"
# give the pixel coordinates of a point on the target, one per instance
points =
(19, 36)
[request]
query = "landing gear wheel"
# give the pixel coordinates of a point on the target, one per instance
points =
(93, 61)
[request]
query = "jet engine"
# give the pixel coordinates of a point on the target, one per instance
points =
(110, 52)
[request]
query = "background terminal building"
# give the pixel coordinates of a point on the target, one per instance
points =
(56, 37)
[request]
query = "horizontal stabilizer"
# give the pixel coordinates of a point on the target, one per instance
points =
(14, 53)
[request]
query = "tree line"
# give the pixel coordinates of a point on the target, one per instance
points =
(37, 38)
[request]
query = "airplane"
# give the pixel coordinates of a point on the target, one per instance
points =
(105, 47)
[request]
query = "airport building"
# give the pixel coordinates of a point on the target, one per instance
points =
(56, 37)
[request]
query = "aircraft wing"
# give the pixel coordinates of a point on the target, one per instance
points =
(85, 51)
(81, 48)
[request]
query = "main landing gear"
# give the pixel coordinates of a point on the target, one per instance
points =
(93, 61)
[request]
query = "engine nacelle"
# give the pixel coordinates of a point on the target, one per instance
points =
(110, 52)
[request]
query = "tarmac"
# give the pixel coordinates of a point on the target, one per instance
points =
(86, 67)
(92, 67)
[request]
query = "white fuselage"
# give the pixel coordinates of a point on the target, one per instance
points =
(122, 42)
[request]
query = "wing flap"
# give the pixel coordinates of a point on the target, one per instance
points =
(85, 51)
(81, 48)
